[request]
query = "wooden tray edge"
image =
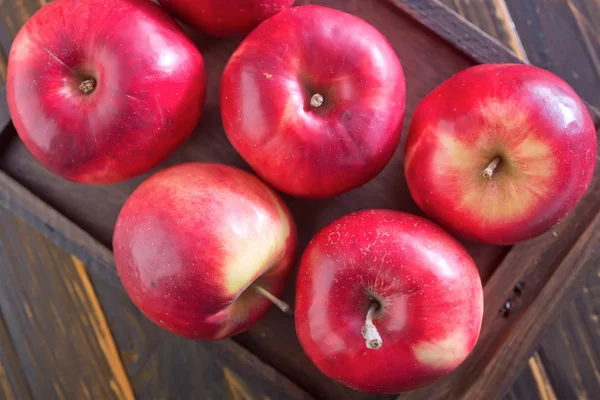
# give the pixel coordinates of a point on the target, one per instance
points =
(468, 39)
(99, 261)
(464, 36)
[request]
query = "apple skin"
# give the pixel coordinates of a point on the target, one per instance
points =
(426, 283)
(532, 120)
(192, 238)
(266, 93)
(149, 93)
(224, 18)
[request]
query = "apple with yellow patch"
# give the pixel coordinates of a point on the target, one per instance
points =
(387, 301)
(202, 249)
(500, 153)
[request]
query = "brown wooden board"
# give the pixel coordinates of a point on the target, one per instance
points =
(563, 37)
(13, 382)
(57, 344)
(57, 329)
(493, 17)
(427, 37)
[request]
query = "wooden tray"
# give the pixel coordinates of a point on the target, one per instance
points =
(535, 277)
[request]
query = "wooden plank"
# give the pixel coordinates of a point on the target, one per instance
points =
(63, 340)
(532, 383)
(68, 350)
(493, 17)
(561, 287)
(471, 40)
(561, 256)
(13, 383)
(570, 349)
(57, 228)
(417, 74)
(163, 365)
(456, 30)
(563, 37)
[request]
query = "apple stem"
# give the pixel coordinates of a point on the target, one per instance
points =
(317, 100)
(87, 85)
(283, 306)
(489, 171)
(369, 332)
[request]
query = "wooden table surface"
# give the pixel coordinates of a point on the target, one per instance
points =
(57, 342)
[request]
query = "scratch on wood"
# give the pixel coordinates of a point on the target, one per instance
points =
(544, 386)
(122, 385)
(237, 388)
(5, 385)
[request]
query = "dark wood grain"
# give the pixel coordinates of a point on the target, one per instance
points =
(57, 326)
(570, 348)
(533, 383)
(164, 366)
(470, 39)
(493, 17)
(563, 37)
(427, 61)
(456, 30)
(68, 350)
(58, 229)
(13, 383)
(505, 343)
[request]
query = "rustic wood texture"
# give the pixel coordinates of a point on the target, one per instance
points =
(568, 350)
(563, 37)
(13, 382)
(57, 325)
(557, 260)
(427, 61)
(59, 229)
(164, 366)
(465, 36)
(533, 383)
(493, 17)
(58, 333)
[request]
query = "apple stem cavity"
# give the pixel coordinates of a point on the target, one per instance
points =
(283, 306)
(369, 331)
(317, 100)
(489, 171)
(87, 85)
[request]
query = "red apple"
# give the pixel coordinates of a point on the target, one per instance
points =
(500, 153)
(313, 100)
(224, 18)
(103, 90)
(401, 281)
(198, 246)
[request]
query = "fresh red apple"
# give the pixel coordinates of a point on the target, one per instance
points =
(103, 90)
(224, 18)
(500, 153)
(313, 99)
(201, 247)
(387, 301)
